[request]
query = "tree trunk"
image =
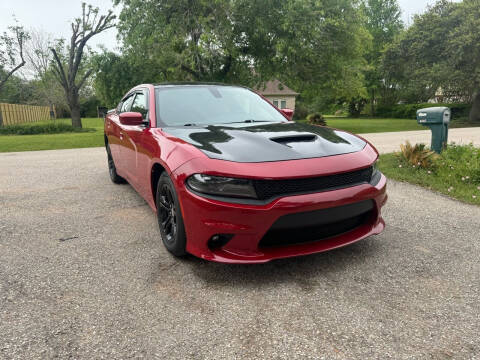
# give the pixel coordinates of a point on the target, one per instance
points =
(74, 106)
(76, 119)
(52, 112)
(475, 110)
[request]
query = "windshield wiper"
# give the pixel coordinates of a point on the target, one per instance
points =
(249, 121)
(190, 124)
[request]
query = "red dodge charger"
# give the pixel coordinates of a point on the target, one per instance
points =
(232, 179)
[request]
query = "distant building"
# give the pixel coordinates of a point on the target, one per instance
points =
(278, 94)
(441, 97)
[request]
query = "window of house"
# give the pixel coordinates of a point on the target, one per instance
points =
(280, 103)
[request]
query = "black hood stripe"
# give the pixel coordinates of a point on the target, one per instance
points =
(268, 142)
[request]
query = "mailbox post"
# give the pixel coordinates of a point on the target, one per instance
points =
(437, 119)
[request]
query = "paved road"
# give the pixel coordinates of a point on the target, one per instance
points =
(390, 142)
(110, 290)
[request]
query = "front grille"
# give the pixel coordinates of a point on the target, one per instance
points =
(267, 189)
(318, 225)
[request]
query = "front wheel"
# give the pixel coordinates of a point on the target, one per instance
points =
(112, 170)
(169, 216)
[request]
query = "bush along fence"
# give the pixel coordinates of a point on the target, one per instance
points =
(11, 114)
(409, 111)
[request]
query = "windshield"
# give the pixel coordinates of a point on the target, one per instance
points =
(212, 104)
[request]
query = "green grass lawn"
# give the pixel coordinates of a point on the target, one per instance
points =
(455, 173)
(371, 125)
(9, 143)
(365, 125)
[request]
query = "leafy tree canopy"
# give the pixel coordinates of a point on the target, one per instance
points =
(316, 47)
(440, 49)
(115, 75)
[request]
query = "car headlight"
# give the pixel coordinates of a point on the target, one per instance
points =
(376, 174)
(222, 186)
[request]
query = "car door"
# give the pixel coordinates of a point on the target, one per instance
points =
(113, 131)
(134, 156)
(125, 106)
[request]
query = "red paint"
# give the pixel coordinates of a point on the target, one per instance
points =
(136, 149)
(288, 113)
(131, 118)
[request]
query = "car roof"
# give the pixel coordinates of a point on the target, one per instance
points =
(196, 83)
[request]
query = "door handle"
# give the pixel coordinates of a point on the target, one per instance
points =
(121, 135)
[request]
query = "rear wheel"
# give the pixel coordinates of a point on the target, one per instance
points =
(112, 170)
(169, 216)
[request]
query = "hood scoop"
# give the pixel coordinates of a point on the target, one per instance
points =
(285, 140)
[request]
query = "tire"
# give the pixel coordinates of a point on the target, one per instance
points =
(112, 170)
(169, 216)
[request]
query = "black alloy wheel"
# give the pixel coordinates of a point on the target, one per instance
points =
(169, 216)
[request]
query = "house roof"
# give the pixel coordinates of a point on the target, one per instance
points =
(275, 87)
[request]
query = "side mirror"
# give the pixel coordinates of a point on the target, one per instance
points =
(131, 118)
(288, 113)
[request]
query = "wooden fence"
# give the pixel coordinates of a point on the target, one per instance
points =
(11, 114)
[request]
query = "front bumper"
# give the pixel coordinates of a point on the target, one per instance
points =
(205, 218)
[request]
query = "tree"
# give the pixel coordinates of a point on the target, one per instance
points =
(440, 50)
(11, 52)
(114, 76)
(191, 40)
(16, 90)
(46, 89)
(316, 47)
(67, 63)
(463, 50)
(383, 22)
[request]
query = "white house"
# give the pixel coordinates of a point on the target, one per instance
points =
(278, 94)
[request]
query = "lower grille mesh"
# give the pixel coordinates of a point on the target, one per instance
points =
(318, 225)
(267, 189)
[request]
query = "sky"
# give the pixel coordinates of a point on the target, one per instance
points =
(413, 7)
(54, 16)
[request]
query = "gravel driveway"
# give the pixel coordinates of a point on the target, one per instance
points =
(83, 274)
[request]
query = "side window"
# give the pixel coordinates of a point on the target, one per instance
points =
(127, 103)
(140, 104)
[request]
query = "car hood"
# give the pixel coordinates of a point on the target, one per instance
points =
(267, 141)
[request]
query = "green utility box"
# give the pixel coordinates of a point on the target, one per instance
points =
(437, 119)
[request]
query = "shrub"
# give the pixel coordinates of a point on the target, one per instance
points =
(417, 155)
(33, 129)
(409, 111)
(88, 107)
(356, 106)
(316, 119)
(301, 111)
